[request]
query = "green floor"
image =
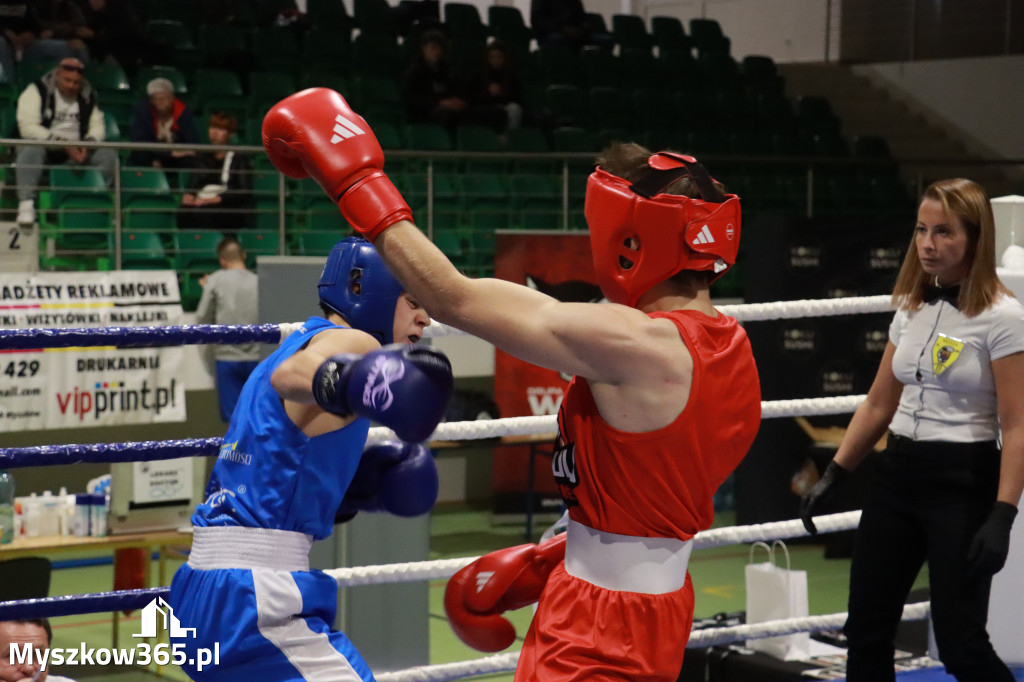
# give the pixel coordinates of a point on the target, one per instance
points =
(455, 532)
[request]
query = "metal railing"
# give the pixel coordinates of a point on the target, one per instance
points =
(288, 198)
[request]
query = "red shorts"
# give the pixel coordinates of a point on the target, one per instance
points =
(585, 632)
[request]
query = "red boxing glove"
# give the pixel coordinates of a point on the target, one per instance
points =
(315, 134)
(504, 580)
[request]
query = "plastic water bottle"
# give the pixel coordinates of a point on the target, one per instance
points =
(6, 507)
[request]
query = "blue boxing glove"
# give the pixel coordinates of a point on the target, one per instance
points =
(403, 387)
(392, 477)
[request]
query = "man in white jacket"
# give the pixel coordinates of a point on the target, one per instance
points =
(61, 105)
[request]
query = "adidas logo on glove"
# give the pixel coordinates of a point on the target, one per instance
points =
(345, 129)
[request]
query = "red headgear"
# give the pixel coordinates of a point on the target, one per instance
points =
(672, 232)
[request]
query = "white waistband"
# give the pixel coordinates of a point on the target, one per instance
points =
(626, 563)
(238, 547)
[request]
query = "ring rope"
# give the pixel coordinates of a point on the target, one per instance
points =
(78, 604)
(715, 537)
(405, 572)
(145, 337)
(818, 307)
(148, 337)
(48, 455)
(698, 640)
(141, 451)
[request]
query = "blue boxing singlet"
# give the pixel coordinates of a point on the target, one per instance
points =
(269, 474)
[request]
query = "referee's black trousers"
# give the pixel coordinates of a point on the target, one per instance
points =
(925, 503)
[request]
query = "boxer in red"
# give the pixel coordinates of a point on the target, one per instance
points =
(664, 404)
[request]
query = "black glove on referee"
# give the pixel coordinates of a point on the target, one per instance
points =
(822, 491)
(991, 544)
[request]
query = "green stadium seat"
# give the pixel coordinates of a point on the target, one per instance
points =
(220, 45)
(568, 105)
(144, 251)
(379, 98)
(485, 191)
(506, 23)
(329, 15)
(110, 81)
(146, 199)
(85, 224)
(72, 183)
(708, 37)
(601, 68)
(629, 31)
(220, 90)
(171, 33)
(327, 46)
(374, 16)
(266, 89)
(324, 216)
(378, 54)
(558, 64)
(274, 47)
(196, 250)
(317, 243)
(259, 243)
(668, 34)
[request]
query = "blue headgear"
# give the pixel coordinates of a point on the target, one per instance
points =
(357, 285)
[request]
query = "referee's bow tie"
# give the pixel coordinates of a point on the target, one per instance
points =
(932, 292)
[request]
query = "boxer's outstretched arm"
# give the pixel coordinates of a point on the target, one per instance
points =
(608, 342)
(315, 133)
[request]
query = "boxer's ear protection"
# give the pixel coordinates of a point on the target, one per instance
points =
(640, 236)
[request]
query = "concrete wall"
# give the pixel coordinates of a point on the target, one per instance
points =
(978, 99)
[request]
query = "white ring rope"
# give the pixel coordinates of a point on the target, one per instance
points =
(825, 307)
(547, 423)
(750, 312)
(413, 571)
(698, 640)
(454, 671)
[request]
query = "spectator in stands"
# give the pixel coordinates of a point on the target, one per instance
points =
(229, 297)
(435, 93)
(118, 34)
(22, 37)
(59, 106)
(219, 193)
(16, 636)
(162, 117)
(498, 85)
(64, 20)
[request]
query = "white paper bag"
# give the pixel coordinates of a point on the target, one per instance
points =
(776, 593)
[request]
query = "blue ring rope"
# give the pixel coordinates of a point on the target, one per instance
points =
(76, 604)
(49, 455)
(139, 337)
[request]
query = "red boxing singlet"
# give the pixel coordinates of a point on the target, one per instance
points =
(660, 483)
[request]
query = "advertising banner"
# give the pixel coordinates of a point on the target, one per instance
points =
(558, 264)
(63, 387)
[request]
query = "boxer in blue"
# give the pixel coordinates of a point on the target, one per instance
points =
(292, 460)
